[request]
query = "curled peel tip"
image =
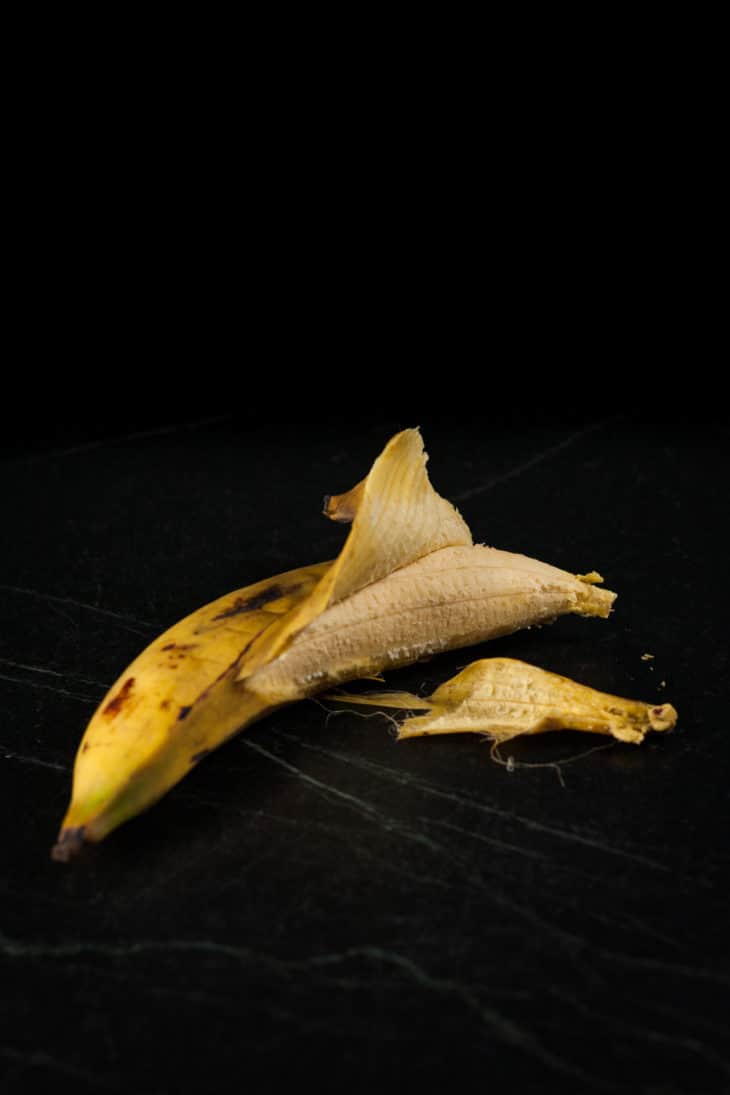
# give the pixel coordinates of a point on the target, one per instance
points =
(69, 844)
(343, 507)
(662, 717)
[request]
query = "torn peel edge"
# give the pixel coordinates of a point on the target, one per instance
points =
(593, 601)
(440, 720)
(406, 701)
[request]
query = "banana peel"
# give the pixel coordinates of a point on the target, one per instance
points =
(503, 698)
(408, 583)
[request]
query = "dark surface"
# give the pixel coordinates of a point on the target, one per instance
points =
(316, 902)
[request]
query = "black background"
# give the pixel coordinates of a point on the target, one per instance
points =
(316, 900)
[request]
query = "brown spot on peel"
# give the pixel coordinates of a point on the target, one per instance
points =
(250, 604)
(184, 712)
(69, 844)
(117, 702)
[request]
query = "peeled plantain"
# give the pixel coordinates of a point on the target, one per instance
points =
(408, 583)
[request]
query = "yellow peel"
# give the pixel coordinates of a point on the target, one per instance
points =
(397, 517)
(504, 698)
(174, 703)
(407, 584)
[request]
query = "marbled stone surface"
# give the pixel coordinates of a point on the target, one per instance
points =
(316, 903)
